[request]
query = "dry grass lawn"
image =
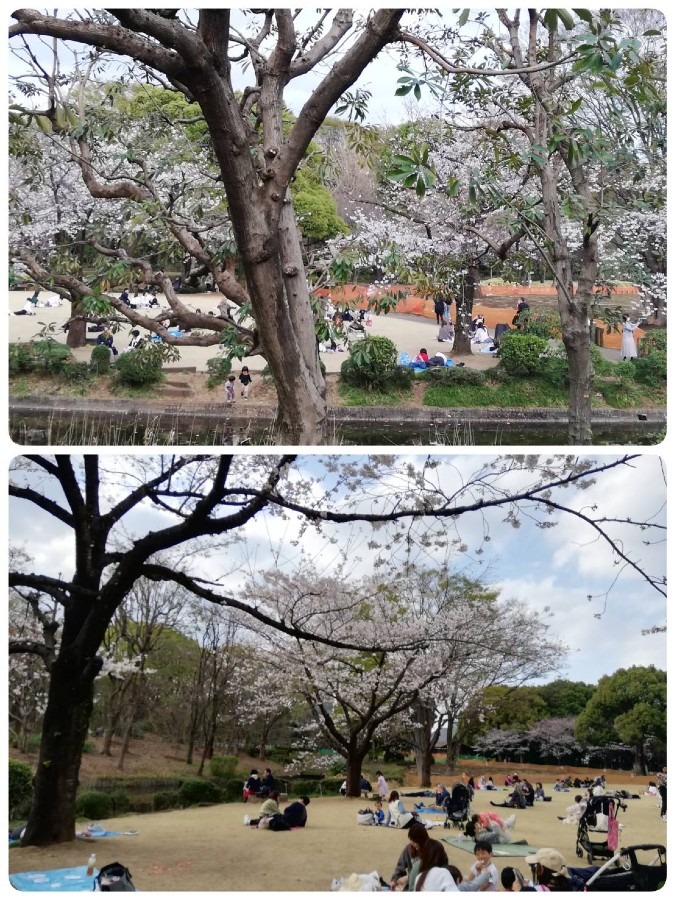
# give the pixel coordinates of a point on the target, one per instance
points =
(209, 849)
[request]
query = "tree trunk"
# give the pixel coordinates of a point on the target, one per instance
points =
(126, 741)
(64, 731)
(77, 329)
(355, 758)
(464, 303)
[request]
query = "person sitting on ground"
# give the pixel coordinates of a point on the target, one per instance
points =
(483, 852)
(268, 784)
(378, 813)
(136, 341)
(407, 866)
(549, 869)
(480, 335)
(343, 788)
(433, 869)
(539, 791)
(489, 784)
(442, 795)
(574, 812)
(446, 333)
(399, 816)
(365, 786)
(153, 301)
(28, 309)
(516, 798)
(124, 297)
(528, 791)
(560, 786)
(106, 338)
(269, 807)
(478, 322)
(296, 813)
(422, 356)
(252, 785)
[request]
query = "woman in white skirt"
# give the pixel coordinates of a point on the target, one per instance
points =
(628, 347)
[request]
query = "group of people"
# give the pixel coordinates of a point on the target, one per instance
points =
(424, 866)
(271, 817)
(245, 379)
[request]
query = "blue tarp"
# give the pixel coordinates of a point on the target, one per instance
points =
(54, 880)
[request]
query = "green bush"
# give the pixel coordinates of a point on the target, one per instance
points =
(223, 766)
(99, 362)
(193, 792)
(94, 805)
(232, 790)
(372, 363)
(650, 366)
(120, 801)
(142, 367)
(544, 324)
(166, 800)
(331, 786)
(218, 368)
(521, 353)
(302, 788)
(141, 805)
(20, 787)
(650, 370)
(51, 356)
(21, 359)
(556, 368)
(78, 373)
(453, 375)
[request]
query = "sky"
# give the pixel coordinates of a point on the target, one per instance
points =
(554, 568)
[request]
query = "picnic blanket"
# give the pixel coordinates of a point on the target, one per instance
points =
(54, 880)
(98, 831)
(497, 849)
(429, 811)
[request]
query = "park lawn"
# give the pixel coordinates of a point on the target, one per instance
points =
(210, 849)
(525, 392)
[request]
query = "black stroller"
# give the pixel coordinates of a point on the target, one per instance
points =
(592, 839)
(457, 806)
(638, 868)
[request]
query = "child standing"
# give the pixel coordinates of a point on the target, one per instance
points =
(483, 853)
(246, 380)
(229, 390)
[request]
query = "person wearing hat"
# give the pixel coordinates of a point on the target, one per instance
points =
(549, 869)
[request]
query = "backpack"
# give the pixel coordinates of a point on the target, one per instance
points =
(114, 877)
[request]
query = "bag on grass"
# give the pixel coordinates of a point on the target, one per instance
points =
(364, 817)
(114, 877)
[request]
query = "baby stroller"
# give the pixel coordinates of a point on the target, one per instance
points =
(605, 806)
(457, 806)
(638, 868)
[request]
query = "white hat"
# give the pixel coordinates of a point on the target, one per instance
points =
(549, 858)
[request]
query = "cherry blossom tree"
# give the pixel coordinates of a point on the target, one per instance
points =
(256, 158)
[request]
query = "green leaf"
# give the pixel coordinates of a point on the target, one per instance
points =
(421, 187)
(584, 14)
(417, 91)
(400, 92)
(453, 187)
(44, 124)
(463, 18)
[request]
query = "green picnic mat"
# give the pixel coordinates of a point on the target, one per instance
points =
(468, 844)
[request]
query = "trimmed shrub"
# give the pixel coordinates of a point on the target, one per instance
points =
(232, 790)
(20, 788)
(373, 364)
(556, 369)
(99, 362)
(651, 364)
(332, 785)
(223, 766)
(142, 367)
(521, 353)
(51, 357)
(166, 800)
(141, 805)
(121, 802)
(193, 792)
(94, 805)
(310, 788)
(454, 376)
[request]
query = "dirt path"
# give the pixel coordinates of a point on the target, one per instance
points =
(209, 849)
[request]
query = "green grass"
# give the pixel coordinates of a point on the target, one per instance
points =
(356, 396)
(532, 392)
